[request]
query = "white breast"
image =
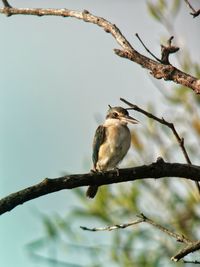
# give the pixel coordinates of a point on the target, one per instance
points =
(116, 145)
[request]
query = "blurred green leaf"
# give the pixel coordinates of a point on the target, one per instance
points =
(175, 7)
(197, 70)
(136, 142)
(49, 226)
(161, 5)
(36, 244)
(154, 12)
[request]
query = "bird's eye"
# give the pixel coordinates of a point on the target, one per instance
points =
(115, 114)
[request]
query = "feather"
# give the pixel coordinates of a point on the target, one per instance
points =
(99, 139)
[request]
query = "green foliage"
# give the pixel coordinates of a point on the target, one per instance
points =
(155, 13)
(163, 10)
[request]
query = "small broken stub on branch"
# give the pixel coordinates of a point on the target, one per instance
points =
(167, 50)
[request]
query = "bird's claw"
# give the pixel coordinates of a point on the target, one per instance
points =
(117, 170)
(93, 171)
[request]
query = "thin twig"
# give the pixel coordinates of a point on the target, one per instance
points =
(6, 4)
(141, 218)
(179, 139)
(191, 245)
(190, 6)
(192, 262)
(194, 12)
(168, 49)
(112, 227)
(178, 237)
(156, 58)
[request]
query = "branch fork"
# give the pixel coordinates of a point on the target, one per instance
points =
(159, 68)
(179, 139)
(167, 50)
(191, 246)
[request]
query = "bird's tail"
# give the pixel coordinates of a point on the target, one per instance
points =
(92, 190)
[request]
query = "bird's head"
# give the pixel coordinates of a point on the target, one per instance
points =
(120, 114)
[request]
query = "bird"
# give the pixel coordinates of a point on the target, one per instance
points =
(111, 143)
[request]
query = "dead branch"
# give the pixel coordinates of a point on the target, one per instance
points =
(192, 262)
(166, 50)
(191, 245)
(157, 69)
(194, 12)
(162, 71)
(178, 237)
(6, 4)
(194, 246)
(179, 139)
(156, 170)
(112, 227)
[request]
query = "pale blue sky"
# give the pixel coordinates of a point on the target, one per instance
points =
(57, 76)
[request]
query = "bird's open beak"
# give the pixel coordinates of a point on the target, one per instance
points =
(129, 119)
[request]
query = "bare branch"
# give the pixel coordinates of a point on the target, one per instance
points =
(194, 12)
(167, 50)
(192, 262)
(190, 6)
(179, 139)
(156, 170)
(187, 250)
(197, 13)
(162, 71)
(6, 4)
(85, 16)
(7, 7)
(156, 58)
(141, 218)
(191, 245)
(157, 70)
(112, 227)
(178, 237)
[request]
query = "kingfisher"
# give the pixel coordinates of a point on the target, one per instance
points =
(111, 142)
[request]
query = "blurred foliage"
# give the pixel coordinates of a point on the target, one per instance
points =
(174, 203)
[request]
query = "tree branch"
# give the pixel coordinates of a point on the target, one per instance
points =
(170, 125)
(112, 227)
(6, 4)
(162, 71)
(156, 170)
(158, 70)
(178, 237)
(194, 12)
(191, 245)
(141, 218)
(166, 50)
(187, 250)
(146, 48)
(161, 121)
(192, 262)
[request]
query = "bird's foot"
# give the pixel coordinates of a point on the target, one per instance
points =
(117, 170)
(93, 171)
(97, 171)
